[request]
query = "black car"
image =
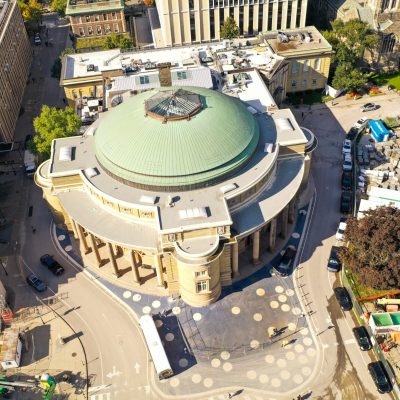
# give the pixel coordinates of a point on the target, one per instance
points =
(343, 298)
(347, 180)
(48, 261)
(283, 268)
(353, 132)
(378, 374)
(334, 263)
(346, 202)
(36, 283)
(362, 337)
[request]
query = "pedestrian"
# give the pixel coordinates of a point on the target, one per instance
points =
(33, 229)
(229, 396)
(302, 114)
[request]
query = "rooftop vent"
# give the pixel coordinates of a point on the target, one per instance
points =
(148, 199)
(268, 148)
(252, 110)
(191, 213)
(91, 172)
(65, 154)
(284, 124)
(228, 188)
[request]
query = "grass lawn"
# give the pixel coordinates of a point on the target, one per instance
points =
(387, 79)
(85, 43)
(309, 97)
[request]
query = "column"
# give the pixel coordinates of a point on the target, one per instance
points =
(135, 268)
(82, 238)
(74, 229)
(159, 271)
(292, 208)
(95, 249)
(272, 235)
(284, 221)
(112, 258)
(256, 247)
(235, 259)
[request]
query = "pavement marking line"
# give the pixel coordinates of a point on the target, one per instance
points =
(349, 341)
(97, 388)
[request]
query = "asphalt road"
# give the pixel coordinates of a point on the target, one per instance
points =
(343, 372)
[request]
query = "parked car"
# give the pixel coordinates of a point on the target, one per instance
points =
(283, 268)
(48, 261)
(369, 107)
(379, 376)
(346, 202)
(347, 180)
(343, 298)
(334, 263)
(361, 124)
(347, 164)
(341, 229)
(36, 283)
(37, 41)
(362, 337)
(352, 133)
(346, 149)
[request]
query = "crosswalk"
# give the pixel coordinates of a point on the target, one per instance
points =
(104, 393)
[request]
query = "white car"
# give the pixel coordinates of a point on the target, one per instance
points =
(361, 124)
(347, 163)
(340, 231)
(346, 149)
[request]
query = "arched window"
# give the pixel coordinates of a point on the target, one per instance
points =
(388, 43)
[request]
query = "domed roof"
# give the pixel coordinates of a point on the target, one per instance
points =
(176, 138)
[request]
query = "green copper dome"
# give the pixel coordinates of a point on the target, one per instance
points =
(176, 138)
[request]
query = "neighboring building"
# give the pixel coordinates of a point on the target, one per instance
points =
(308, 54)
(180, 181)
(381, 15)
(195, 21)
(15, 63)
(96, 18)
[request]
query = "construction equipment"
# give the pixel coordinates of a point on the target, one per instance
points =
(44, 381)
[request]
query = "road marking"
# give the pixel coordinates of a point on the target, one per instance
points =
(113, 373)
(97, 388)
(104, 396)
(349, 341)
(137, 367)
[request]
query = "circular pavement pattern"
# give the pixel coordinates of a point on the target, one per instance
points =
(196, 378)
(146, 310)
(299, 348)
(285, 375)
(257, 317)
(289, 292)
(285, 307)
(298, 379)
(303, 212)
(275, 382)
(208, 382)
(126, 294)
(269, 359)
(156, 304)
(158, 323)
(225, 355)
(61, 237)
(279, 289)
(235, 310)
(251, 374)
(174, 382)
(302, 359)
(176, 310)
(169, 337)
(304, 331)
(197, 316)
(260, 292)
(295, 235)
(183, 362)
(311, 352)
(274, 304)
(290, 355)
(282, 298)
(306, 371)
(227, 367)
(307, 341)
(215, 362)
(296, 311)
(281, 363)
(136, 297)
(263, 378)
(254, 344)
(291, 326)
(68, 248)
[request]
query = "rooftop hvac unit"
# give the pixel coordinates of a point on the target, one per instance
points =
(91, 172)
(65, 154)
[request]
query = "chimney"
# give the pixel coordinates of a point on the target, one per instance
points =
(164, 70)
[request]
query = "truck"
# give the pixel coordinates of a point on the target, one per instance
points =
(29, 163)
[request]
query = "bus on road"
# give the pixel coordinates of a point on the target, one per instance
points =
(156, 349)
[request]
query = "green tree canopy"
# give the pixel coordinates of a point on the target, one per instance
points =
(118, 40)
(373, 253)
(348, 77)
(53, 123)
(59, 7)
(229, 29)
(31, 11)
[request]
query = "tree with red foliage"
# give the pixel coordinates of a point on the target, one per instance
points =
(373, 253)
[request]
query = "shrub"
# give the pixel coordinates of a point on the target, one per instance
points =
(391, 122)
(353, 95)
(325, 99)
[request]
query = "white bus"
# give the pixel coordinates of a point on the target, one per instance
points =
(156, 349)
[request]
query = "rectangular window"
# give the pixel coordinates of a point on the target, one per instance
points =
(201, 286)
(306, 65)
(304, 82)
(314, 81)
(298, 15)
(81, 32)
(295, 67)
(192, 26)
(98, 30)
(294, 83)
(279, 22)
(317, 64)
(113, 15)
(108, 29)
(116, 28)
(87, 18)
(251, 19)
(90, 30)
(241, 19)
(200, 273)
(181, 75)
(212, 24)
(105, 17)
(97, 18)
(144, 79)
(260, 17)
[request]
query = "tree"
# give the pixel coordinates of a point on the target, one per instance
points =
(348, 77)
(373, 253)
(59, 7)
(149, 3)
(31, 12)
(53, 123)
(118, 40)
(229, 29)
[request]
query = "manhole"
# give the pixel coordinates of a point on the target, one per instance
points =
(73, 354)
